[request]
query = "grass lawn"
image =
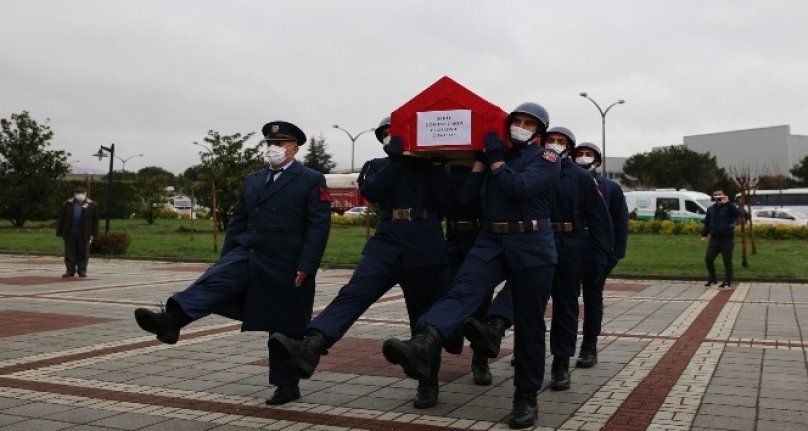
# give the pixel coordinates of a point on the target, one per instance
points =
(648, 254)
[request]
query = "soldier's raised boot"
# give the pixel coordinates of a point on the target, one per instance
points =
(480, 370)
(414, 355)
(588, 356)
(427, 393)
(560, 374)
(525, 410)
(166, 325)
(485, 337)
(302, 355)
(284, 395)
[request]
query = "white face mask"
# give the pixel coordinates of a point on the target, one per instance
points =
(558, 148)
(386, 140)
(80, 197)
(275, 155)
(520, 134)
(585, 161)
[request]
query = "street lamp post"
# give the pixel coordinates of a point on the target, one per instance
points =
(100, 154)
(123, 161)
(602, 126)
(213, 198)
(353, 141)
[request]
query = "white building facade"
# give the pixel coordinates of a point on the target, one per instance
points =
(773, 150)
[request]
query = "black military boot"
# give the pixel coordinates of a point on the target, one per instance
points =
(525, 410)
(165, 324)
(480, 370)
(588, 356)
(485, 337)
(560, 374)
(427, 394)
(414, 355)
(302, 355)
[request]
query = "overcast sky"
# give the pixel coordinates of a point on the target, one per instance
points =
(155, 76)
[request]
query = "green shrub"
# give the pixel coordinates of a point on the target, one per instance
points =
(667, 227)
(111, 243)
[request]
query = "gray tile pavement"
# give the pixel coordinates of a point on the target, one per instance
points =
(101, 375)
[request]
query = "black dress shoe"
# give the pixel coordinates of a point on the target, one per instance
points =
(165, 325)
(710, 283)
(725, 285)
(284, 395)
(83, 274)
(68, 275)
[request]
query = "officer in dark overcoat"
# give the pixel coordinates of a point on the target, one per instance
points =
(515, 244)
(273, 247)
(407, 248)
(77, 226)
(588, 156)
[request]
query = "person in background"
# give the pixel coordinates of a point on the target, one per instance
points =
(661, 213)
(633, 214)
(719, 226)
(77, 226)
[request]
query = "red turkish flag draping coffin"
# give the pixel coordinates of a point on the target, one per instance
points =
(446, 120)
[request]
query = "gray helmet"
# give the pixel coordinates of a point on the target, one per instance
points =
(382, 124)
(566, 132)
(594, 147)
(534, 110)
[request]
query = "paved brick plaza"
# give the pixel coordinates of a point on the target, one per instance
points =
(676, 355)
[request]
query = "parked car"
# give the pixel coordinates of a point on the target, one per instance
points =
(779, 216)
(356, 212)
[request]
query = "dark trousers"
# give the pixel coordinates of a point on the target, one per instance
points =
(592, 282)
(375, 275)
(221, 290)
(564, 327)
(724, 246)
(77, 253)
(530, 289)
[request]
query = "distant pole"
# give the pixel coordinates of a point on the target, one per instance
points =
(353, 141)
(602, 127)
(100, 154)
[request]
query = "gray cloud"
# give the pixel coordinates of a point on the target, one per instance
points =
(154, 76)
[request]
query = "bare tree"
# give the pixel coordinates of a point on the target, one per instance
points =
(748, 183)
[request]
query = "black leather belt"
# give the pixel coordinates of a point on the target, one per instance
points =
(397, 214)
(462, 224)
(514, 226)
(562, 227)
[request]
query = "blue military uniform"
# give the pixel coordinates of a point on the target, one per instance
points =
(582, 227)
(408, 247)
(593, 281)
(276, 229)
(515, 245)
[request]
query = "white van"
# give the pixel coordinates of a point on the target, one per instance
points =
(681, 205)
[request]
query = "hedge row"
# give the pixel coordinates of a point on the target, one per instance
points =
(667, 227)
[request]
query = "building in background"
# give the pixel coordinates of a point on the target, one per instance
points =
(773, 150)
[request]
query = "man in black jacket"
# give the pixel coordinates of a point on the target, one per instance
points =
(719, 225)
(78, 224)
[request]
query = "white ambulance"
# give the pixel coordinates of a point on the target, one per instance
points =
(681, 205)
